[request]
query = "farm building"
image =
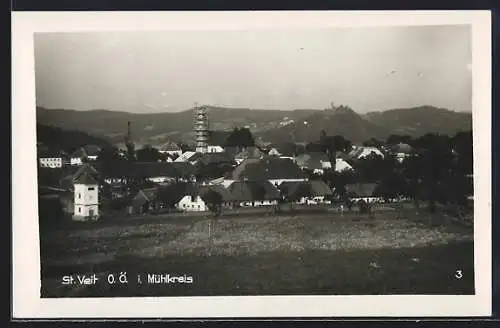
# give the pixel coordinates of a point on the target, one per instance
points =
(188, 197)
(343, 162)
(274, 170)
(363, 191)
(254, 193)
(306, 192)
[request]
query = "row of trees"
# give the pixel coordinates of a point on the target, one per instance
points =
(438, 171)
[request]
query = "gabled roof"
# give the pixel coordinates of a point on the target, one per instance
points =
(320, 188)
(215, 158)
(269, 168)
(361, 189)
(144, 196)
(86, 178)
(86, 168)
(185, 156)
(170, 146)
(253, 190)
(295, 190)
(314, 188)
(226, 195)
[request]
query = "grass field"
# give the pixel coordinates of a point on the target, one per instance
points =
(289, 254)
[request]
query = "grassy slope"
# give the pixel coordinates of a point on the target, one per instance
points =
(286, 255)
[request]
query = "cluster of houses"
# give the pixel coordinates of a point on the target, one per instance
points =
(254, 176)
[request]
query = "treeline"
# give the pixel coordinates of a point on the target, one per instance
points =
(438, 170)
(58, 139)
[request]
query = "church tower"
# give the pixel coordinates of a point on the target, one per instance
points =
(201, 129)
(86, 198)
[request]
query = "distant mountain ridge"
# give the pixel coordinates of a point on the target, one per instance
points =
(301, 125)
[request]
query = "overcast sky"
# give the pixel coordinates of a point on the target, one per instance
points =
(365, 68)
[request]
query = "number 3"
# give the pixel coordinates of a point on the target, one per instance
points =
(458, 274)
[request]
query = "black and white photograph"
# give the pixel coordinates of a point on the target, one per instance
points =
(256, 160)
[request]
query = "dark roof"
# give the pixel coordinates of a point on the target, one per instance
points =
(269, 168)
(145, 195)
(86, 168)
(298, 189)
(215, 158)
(141, 170)
(295, 190)
(170, 146)
(226, 195)
(86, 178)
(320, 188)
(361, 189)
(253, 190)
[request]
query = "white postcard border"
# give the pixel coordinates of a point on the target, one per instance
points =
(26, 260)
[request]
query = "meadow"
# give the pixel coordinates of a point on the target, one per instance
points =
(396, 252)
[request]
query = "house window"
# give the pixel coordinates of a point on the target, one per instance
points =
(79, 196)
(79, 210)
(91, 188)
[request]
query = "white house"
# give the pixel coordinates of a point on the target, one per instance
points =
(52, 162)
(191, 203)
(274, 152)
(160, 179)
(341, 165)
(51, 159)
(76, 161)
(86, 198)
